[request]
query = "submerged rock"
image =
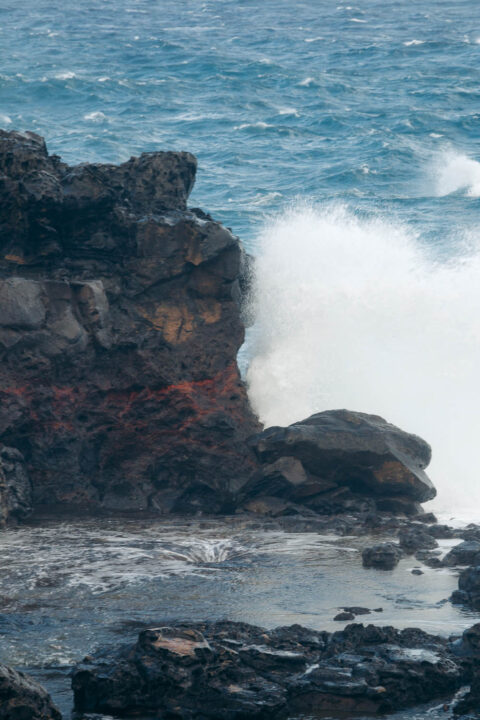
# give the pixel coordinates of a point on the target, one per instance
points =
(233, 670)
(384, 556)
(341, 460)
(119, 331)
(21, 698)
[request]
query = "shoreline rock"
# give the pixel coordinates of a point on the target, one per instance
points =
(21, 698)
(336, 461)
(119, 330)
(233, 670)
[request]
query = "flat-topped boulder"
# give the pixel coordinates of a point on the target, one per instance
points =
(119, 331)
(342, 457)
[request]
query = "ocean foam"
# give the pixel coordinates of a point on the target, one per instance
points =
(453, 171)
(352, 313)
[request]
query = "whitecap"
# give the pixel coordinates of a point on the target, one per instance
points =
(453, 171)
(306, 82)
(5, 119)
(103, 79)
(260, 125)
(357, 20)
(67, 75)
(408, 43)
(314, 39)
(96, 116)
(289, 111)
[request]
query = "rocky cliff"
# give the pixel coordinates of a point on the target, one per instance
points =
(119, 330)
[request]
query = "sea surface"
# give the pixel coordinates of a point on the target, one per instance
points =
(342, 144)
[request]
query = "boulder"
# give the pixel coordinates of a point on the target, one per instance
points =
(468, 592)
(119, 331)
(465, 553)
(384, 556)
(415, 538)
(231, 671)
(345, 457)
(15, 487)
(21, 698)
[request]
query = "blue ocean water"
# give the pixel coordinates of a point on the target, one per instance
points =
(313, 98)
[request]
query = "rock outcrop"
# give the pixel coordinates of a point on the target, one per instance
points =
(233, 670)
(119, 330)
(21, 698)
(15, 487)
(341, 460)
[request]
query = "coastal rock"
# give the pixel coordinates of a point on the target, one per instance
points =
(414, 538)
(468, 592)
(21, 698)
(119, 330)
(233, 670)
(340, 460)
(15, 487)
(384, 556)
(466, 553)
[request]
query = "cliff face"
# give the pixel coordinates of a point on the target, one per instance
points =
(119, 330)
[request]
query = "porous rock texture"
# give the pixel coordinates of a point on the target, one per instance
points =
(21, 698)
(15, 487)
(119, 330)
(339, 460)
(228, 671)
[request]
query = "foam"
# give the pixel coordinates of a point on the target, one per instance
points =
(352, 313)
(453, 171)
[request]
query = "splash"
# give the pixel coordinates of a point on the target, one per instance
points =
(454, 172)
(353, 313)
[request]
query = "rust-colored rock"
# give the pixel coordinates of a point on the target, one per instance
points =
(119, 330)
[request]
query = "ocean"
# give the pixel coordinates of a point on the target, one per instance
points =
(342, 144)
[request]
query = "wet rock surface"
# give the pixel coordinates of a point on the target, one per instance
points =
(15, 487)
(468, 592)
(21, 698)
(119, 330)
(384, 556)
(340, 460)
(234, 670)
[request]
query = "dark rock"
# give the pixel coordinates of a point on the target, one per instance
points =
(233, 670)
(414, 538)
(384, 556)
(357, 610)
(468, 588)
(427, 518)
(119, 331)
(344, 616)
(417, 571)
(21, 698)
(15, 487)
(468, 647)
(466, 553)
(428, 558)
(471, 532)
(442, 532)
(363, 453)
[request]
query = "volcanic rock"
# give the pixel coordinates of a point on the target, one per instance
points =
(21, 698)
(384, 556)
(15, 487)
(340, 460)
(233, 670)
(414, 538)
(119, 330)
(466, 553)
(468, 592)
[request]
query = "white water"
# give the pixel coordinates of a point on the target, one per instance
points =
(454, 172)
(353, 313)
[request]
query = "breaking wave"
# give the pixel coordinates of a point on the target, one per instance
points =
(354, 313)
